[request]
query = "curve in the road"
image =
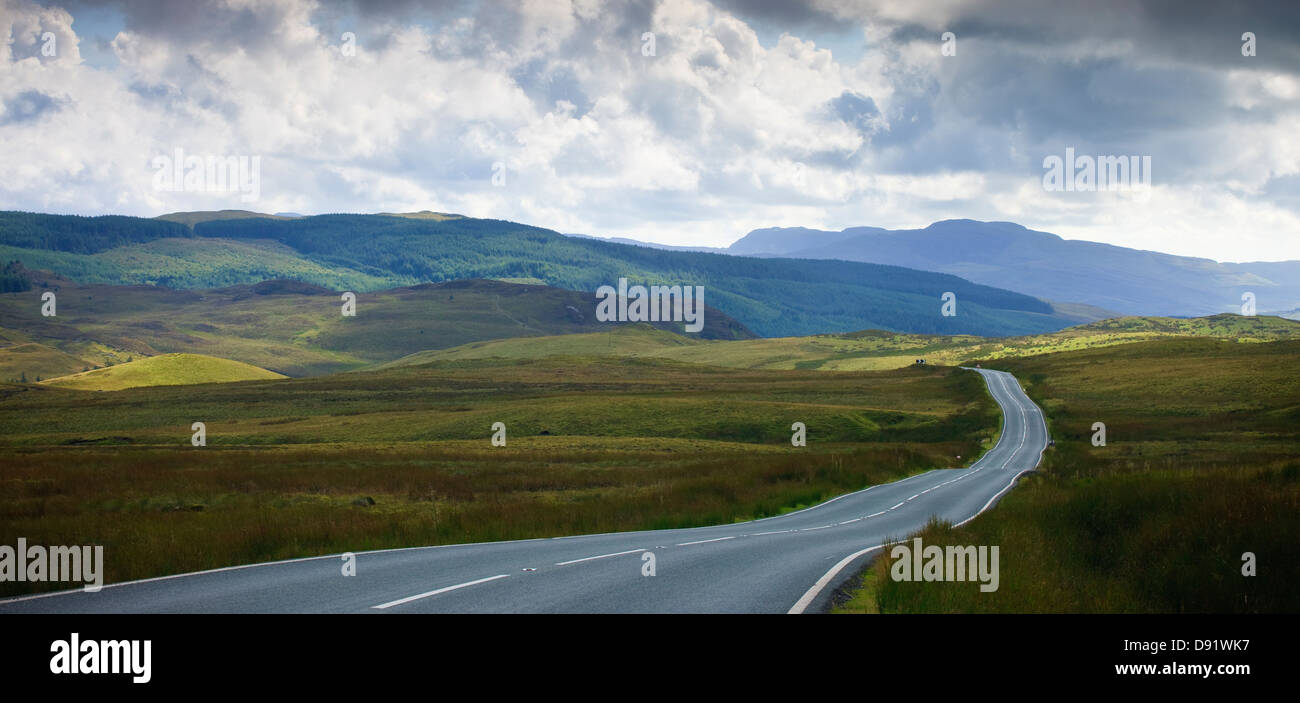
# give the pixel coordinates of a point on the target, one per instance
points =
(759, 566)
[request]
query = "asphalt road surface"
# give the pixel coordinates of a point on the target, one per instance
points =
(789, 563)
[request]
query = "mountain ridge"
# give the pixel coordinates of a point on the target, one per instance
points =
(1046, 265)
(769, 296)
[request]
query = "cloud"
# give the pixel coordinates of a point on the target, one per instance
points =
(748, 113)
(27, 106)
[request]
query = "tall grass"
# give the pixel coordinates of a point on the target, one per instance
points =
(592, 447)
(1200, 467)
(160, 511)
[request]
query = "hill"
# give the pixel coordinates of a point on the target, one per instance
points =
(81, 235)
(31, 361)
(189, 219)
(191, 263)
(426, 215)
(374, 252)
(768, 296)
(289, 327)
(1005, 254)
(165, 370)
(867, 350)
(628, 340)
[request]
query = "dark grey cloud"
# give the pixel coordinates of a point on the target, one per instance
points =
(792, 16)
(192, 22)
(1198, 32)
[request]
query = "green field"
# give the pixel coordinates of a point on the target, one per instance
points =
(871, 349)
(296, 329)
(593, 445)
(1201, 464)
(638, 340)
(636, 427)
(24, 362)
(164, 370)
(288, 327)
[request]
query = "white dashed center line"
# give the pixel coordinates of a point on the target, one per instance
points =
(599, 556)
(418, 596)
(702, 541)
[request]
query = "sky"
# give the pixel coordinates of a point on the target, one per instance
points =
(682, 122)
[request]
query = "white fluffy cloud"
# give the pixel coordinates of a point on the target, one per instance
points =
(718, 132)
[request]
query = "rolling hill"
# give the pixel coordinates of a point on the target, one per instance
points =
(869, 350)
(188, 263)
(288, 327)
(1044, 265)
(164, 370)
(32, 361)
(189, 219)
(374, 252)
(628, 340)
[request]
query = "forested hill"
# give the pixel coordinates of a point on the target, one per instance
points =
(773, 297)
(82, 235)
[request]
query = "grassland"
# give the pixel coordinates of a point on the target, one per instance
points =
(593, 445)
(164, 370)
(287, 327)
(296, 329)
(638, 340)
(1201, 464)
(30, 362)
(872, 350)
(639, 428)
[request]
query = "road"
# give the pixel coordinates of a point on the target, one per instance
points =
(789, 563)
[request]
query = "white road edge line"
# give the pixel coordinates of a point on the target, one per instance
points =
(599, 556)
(997, 495)
(808, 597)
(408, 599)
(971, 469)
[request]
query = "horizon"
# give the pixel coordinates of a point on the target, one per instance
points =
(722, 248)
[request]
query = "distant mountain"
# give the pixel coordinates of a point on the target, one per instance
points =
(780, 241)
(1044, 265)
(772, 297)
(652, 245)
